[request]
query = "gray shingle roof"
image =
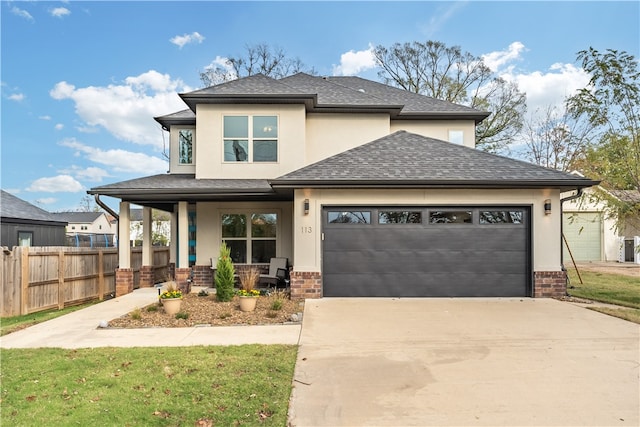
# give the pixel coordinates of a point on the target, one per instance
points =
(407, 159)
(326, 94)
(413, 102)
(160, 191)
(78, 217)
(17, 209)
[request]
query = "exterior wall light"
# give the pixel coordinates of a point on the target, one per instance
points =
(547, 207)
(306, 206)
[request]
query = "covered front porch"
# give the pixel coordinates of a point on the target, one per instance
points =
(255, 221)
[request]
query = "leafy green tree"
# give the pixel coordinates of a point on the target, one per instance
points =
(611, 103)
(257, 59)
(225, 275)
(446, 72)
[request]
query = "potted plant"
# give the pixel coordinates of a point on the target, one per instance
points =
(247, 294)
(171, 298)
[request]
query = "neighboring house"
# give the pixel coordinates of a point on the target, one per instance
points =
(24, 224)
(90, 229)
(367, 189)
(161, 227)
(593, 232)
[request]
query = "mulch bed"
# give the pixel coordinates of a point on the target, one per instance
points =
(207, 311)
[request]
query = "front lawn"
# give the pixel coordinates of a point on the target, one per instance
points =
(177, 386)
(614, 289)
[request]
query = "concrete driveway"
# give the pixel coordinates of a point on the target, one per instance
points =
(464, 362)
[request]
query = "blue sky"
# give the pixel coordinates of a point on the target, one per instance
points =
(82, 81)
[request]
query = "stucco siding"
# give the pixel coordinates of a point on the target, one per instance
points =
(545, 229)
(209, 137)
(438, 129)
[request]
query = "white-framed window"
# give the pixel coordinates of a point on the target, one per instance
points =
(185, 146)
(25, 238)
(251, 236)
(456, 136)
(252, 139)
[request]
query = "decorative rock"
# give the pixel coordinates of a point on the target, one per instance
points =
(294, 318)
(103, 324)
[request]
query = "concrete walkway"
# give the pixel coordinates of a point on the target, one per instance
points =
(464, 362)
(80, 329)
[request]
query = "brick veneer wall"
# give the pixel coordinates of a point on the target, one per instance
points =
(182, 276)
(549, 284)
(202, 275)
(124, 281)
(147, 277)
(306, 284)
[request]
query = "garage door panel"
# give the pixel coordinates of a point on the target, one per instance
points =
(467, 259)
(447, 284)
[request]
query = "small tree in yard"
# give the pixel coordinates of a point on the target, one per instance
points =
(225, 275)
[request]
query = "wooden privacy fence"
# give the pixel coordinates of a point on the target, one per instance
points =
(42, 278)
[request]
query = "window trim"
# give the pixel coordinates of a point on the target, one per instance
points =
(180, 163)
(251, 140)
(248, 237)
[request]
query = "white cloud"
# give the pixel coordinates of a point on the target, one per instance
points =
(59, 12)
(59, 126)
(184, 39)
(45, 117)
(21, 13)
(91, 173)
(543, 88)
(496, 60)
(46, 200)
(352, 63)
(126, 110)
(17, 97)
(117, 159)
(55, 184)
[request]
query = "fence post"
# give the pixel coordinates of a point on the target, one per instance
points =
(61, 281)
(24, 280)
(100, 275)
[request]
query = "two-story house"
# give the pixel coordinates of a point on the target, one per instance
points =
(368, 190)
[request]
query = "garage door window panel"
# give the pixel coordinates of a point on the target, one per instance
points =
(450, 217)
(349, 217)
(501, 217)
(399, 217)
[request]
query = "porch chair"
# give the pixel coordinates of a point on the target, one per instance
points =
(278, 274)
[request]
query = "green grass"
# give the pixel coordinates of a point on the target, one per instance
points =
(182, 386)
(608, 288)
(15, 323)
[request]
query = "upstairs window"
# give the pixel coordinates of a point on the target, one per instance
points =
(185, 146)
(456, 137)
(250, 139)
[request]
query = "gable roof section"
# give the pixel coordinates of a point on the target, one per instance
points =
(408, 160)
(16, 210)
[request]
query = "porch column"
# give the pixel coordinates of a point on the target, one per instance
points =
(124, 272)
(182, 266)
(306, 277)
(146, 270)
(173, 244)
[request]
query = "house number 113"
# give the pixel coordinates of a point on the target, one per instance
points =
(307, 230)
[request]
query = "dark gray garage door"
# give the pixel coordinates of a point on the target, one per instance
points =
(426, 251)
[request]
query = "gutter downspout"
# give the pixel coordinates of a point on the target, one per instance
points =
(113, 213)
(566, 199)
